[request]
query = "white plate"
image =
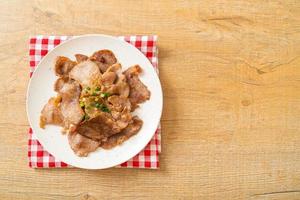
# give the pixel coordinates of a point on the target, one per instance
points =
(40, 89)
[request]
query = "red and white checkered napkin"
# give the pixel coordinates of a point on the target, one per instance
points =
(40, 158)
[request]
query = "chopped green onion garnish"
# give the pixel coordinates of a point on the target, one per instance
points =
(97, 89)
(98, 105)
(81, 103)
(104, 94)
(86, 117)
(105, 109)
(101, 107)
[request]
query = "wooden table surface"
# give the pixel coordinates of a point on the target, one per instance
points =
(231, 80)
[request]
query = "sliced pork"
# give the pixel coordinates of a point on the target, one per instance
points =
(51, 113)
(70, 108)
(86, 73)
(138, 91)
(80, 58)
(110, 75)
(82, 145)
(124, 135)
(121, 87)
(118, 103)
(63, 66)
(104, 59)
(99, 128)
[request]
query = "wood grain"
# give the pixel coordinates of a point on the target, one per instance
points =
(231, 80)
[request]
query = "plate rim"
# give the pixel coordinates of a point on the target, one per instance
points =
(70, 40)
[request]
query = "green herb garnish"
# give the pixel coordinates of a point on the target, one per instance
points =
(86, 117)
(105, 109)
(81, 103)
(98, 105)
(97, 89)
(104, 95)
(101, 107)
